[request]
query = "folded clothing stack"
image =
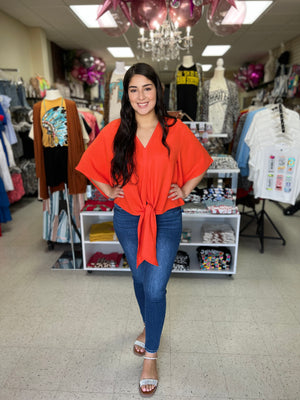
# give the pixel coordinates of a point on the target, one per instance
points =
(182, 261)
(223, 161)
(97, 205)
(101, 260)
(103, 231)
(217, 233)
(212, 258)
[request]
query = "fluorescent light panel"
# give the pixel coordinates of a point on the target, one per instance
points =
(121, 52)
(206, 67)
(88, 14)
(255, 9)
(211, 51)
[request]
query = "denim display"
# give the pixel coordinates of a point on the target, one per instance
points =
(150, 281)
(15, 92)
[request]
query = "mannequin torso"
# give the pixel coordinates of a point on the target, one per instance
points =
(53, 94)
(218, 80)
(187, 61)
(270, 68)
(120, 68)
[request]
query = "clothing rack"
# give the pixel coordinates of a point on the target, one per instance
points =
(69, 259)
(260, 229)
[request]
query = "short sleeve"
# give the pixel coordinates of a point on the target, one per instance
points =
(194, 160)
(95, 163)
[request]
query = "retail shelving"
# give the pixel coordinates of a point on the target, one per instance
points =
(193, 221)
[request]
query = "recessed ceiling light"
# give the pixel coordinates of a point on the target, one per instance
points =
(88, 14)
(206, 67)
(254, 9)
(121, 52)
(211, 51)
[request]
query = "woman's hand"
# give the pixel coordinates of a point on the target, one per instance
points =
(115, 192)
(176, 192)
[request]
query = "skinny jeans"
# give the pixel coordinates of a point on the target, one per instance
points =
(150, 281)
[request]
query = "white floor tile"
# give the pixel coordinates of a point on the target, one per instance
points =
(68, 335)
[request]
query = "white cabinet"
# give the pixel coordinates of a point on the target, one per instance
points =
(192, 221)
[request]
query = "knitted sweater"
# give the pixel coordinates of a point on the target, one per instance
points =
(76, 181)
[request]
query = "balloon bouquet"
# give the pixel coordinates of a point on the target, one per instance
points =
(223, 17)
(249, 76)
(87, 68)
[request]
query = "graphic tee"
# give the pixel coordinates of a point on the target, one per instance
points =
(218, 103)
(187, 81)
(55, 141)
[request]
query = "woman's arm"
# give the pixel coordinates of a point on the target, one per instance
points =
(109, 191)
(177, 192)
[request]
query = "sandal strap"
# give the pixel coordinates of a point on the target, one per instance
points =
(150, 358)
(140, 344)
(145, 382)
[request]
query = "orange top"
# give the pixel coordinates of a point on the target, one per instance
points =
(147, 192)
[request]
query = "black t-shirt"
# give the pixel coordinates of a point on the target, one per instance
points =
(187, 81)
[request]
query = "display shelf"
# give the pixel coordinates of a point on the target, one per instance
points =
(192, 221)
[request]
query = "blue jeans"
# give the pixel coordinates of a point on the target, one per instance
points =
(150, 281)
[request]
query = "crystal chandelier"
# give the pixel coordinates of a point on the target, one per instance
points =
(166, 41)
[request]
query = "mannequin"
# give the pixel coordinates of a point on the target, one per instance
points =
(282, 61)
(270, 68)
(115, 92)
(52, 94)
(188, 84)
(188, 61)
(218, 97)
(218, 80)
(120, 68)
(220, 105)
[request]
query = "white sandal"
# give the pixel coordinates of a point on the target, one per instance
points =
(144, 382)
(140, 344)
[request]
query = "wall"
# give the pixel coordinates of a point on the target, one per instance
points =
(24, 48)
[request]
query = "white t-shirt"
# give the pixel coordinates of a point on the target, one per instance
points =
(274, 142)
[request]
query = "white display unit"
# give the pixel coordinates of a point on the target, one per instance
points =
(191, 221)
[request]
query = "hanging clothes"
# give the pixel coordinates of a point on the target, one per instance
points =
(9, 130)
(274, 154)
(6, 161)
(187, 90)
(63, 124)
(55, 217)
(19, 191)
(4, 204)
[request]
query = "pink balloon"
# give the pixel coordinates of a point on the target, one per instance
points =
(148, 14)
(99, 65)
(82, 74)
(121, 20)
(226, 19)
(182, 14)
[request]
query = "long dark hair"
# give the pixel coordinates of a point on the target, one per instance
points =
(123, 163)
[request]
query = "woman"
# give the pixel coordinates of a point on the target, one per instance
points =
(148, 162)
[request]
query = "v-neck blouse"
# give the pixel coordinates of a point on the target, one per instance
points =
(146, 194)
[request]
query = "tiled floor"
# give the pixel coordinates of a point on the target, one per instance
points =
(68, 335)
